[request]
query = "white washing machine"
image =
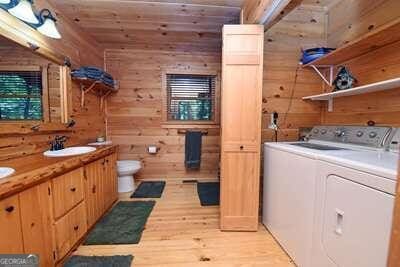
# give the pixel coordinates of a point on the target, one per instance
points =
(291, 173)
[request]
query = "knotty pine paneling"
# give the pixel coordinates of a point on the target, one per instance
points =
(347, 21)
(134, 113)
(285, 83)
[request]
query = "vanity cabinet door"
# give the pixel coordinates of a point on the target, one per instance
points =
(70, 229)
(36, 220)
(10, 226)
(93, 190)
(110, 182)
(67, 191)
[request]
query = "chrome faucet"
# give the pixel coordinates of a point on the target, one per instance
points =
(58, 143)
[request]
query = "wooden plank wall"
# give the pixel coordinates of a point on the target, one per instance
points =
(82, 50)
(134, 113)
(347, 21)
(303, 28)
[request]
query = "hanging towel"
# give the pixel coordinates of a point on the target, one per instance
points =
(192, 150)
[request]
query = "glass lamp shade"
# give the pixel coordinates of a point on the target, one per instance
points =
(24, 11)
(49, 29)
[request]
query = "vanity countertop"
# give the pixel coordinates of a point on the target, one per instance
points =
(37, 168)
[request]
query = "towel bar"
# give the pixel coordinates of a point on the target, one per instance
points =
(204, 132)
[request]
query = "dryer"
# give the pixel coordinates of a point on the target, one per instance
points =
(353, 209)
(292, 182)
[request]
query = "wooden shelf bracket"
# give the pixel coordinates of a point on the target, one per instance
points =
(84, 91)
(329, 80)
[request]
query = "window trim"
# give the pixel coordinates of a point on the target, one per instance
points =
(45, 90)
(187, 124)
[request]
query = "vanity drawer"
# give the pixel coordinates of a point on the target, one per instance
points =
(67, 191)
(70, 228)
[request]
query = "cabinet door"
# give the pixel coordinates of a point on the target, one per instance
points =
(36, 220)
(10, 226)
(111, 191)
(242, 72)
(240, 194)
(67, 191)
(93, 181)
(69, 229)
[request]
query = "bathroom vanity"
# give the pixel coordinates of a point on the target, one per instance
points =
(48, 205)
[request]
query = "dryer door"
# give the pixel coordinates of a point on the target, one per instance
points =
(357, 223)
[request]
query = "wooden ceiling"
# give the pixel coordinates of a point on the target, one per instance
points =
(154, 24)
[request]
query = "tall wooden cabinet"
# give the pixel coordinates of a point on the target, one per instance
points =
(241, 107)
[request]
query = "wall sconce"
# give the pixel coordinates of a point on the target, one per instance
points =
(23, 10)
(45, 22)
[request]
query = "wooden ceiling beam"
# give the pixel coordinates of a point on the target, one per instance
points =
(267, 12)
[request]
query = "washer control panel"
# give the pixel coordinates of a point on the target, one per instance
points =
(394, 142)
(359, 135)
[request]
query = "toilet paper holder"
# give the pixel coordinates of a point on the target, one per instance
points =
(152, 149)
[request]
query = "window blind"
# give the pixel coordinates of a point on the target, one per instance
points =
(21, 95)
(190, 97)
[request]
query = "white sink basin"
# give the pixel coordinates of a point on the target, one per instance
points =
(70, 151)
(4, 172)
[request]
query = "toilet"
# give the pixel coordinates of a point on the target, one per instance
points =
(126, 170)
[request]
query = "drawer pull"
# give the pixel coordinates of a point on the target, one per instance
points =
(73, 189)
(76, 227)
(241, 147)
(10, 209)
(94, 189)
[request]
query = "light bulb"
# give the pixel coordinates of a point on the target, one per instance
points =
(49, 29)
(24, 11)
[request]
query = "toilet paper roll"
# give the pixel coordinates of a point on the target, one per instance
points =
(152, 149)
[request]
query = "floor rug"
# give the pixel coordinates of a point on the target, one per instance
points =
(123, 224)
(150, 189)
(208, 193)
(99, 261)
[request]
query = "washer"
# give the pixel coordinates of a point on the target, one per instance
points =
(292, 174)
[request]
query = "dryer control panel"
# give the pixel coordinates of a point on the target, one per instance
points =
(369, 136)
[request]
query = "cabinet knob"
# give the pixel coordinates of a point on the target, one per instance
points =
(73, 189)
(94, 189)
(76, 227)
(241, 147)
(10, 209)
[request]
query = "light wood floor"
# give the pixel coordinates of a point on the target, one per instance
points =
(181, 233)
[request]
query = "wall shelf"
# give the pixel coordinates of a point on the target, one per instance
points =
(369, 88)
(373, 40)
(101, 89)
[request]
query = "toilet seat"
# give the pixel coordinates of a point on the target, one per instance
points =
(128, 165)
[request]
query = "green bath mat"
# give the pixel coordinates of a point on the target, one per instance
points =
(150, 189)
(124, 224)
(208, 193)
(99, 261)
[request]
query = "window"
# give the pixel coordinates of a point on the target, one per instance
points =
(191, 98)
(21, 95)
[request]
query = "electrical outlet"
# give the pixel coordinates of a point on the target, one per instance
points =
(274, 121)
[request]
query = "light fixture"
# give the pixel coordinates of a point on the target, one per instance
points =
(5, 2)
(47, 25)
(23, 10)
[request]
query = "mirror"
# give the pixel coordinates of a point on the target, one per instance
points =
(32, 88)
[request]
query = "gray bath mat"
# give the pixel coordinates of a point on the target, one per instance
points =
(99, 261)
